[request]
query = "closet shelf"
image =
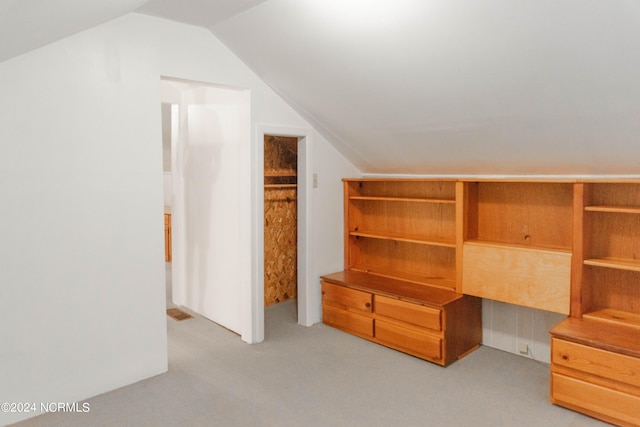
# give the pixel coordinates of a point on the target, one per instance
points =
(280, 174)
(275, 186)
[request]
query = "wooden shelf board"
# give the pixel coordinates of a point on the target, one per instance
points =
(617, 263)
(402, 238)
(280, 174)
(403, 199)
(280, 185)
(613, 209)
(617, 317)
(516, 246)
(418, 279)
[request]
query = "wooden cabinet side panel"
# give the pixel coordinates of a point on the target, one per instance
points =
(167, 237)
(579, 301)
(463, 327)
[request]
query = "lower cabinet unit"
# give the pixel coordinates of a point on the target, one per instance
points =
(595, 370)
(434, 324)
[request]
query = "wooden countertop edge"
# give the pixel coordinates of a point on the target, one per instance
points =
(403, 290)
(604, 335)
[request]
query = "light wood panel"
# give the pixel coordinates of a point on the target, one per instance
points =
(530, 277)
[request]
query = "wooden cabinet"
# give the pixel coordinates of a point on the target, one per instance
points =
(518, 243)
(432, 323)
(595, 361)
(402, 279)
(167, 236)
(595, 369)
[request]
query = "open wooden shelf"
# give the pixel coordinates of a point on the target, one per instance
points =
(402, 199)
(418, 279)
(613, 209)
(617, 263)
(404, 238)
(525, 247)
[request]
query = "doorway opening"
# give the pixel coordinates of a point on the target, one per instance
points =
(280, 219)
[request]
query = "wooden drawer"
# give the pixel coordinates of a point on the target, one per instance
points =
(412, 341)
(347, 320)
(618, 367)
(595, 400)
(419, 315)
(347, 297)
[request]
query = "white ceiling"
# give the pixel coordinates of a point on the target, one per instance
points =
(420, 86)
(203, 13)
(29, 24)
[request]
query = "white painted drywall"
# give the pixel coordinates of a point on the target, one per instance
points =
(209, 61)
(82, 294)
(214, 126)
(81, 182)
(507, 326)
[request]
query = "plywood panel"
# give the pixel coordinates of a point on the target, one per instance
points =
(280, 219)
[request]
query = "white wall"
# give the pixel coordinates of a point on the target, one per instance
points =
(214, 125)
(209, 61)
(81, 180)
(508, 327)
(82, 280)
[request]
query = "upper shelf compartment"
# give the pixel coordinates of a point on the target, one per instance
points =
(406, 190)
(422, 212)
(612, 222)
(526, 214)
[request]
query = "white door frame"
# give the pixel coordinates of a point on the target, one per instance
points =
(305, 185)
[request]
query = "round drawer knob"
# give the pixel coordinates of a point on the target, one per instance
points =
(368, 305)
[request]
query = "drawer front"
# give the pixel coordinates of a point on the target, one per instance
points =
(595, 400)
(618, 367)
(408, 340)
(426, 317)
(347, 320)
(347, 297)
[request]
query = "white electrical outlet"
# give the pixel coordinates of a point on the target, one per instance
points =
(523, 348)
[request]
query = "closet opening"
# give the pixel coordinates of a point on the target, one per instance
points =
(280, 220)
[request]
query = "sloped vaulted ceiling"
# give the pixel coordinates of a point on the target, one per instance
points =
(457, 86)
(420, 86)
(29, 24)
